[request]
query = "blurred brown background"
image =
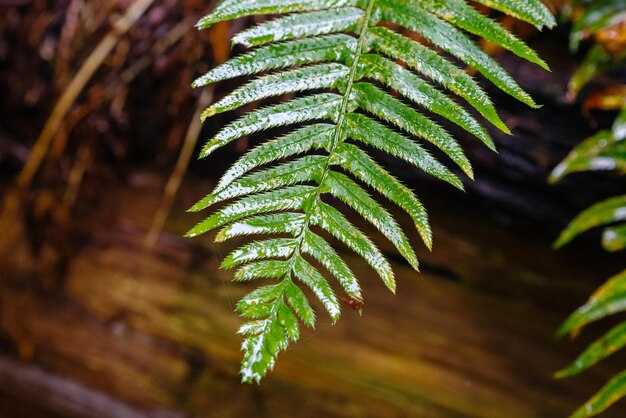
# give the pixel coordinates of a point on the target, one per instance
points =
(106, 311)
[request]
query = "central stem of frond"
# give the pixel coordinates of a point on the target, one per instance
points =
(338, 134)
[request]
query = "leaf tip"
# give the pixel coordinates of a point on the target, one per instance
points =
(208, 113)
(558, 173)
(560, 241)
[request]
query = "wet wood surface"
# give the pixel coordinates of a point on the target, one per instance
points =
(471, 336)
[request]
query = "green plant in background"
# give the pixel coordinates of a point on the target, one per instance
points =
(590, 19)
(341, 47)
(605, 150)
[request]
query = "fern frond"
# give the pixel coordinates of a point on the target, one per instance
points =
(604, 151)
(419, 92)
(365, 79)
(607, 300)
(361, 166)
(313, 137)
(259, 250)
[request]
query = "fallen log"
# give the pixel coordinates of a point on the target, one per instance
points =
(157, 331)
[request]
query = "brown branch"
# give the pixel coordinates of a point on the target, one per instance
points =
(175, 179)
(76, 86)
(42, 144)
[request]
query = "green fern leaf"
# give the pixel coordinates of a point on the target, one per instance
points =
(605, 212)
(361, 166)
(427, 62)
(275, 223)
(337, 49)
(372, 133)
(274, 56)
(608, 299)
(305, 169)
(267, 269)
(257, 304)
(611, 342)
(420, 92)
(350, 193)
(318, 248)
(531, 11)
(333, 222)
(299, 303)
(258, 250)
(604, 151)
(610, 393)
(460, 14)
(453, 41)
(301, 79)
(301, 25)
(321, 106)
(371, 99)
(236, 9)
(264, 340)
(309, 275)
(302, 140)
(601, 152)
(276, 200)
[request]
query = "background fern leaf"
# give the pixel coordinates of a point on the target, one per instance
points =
(610, 393)
(342, 48)
(605, 150)
(605, 212)
(611, 342)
